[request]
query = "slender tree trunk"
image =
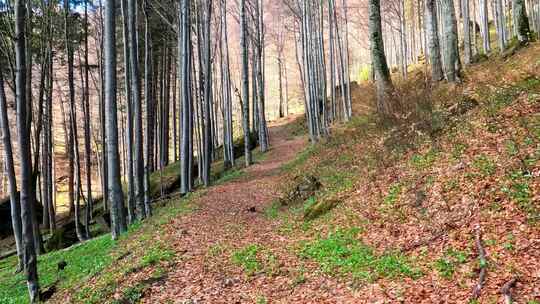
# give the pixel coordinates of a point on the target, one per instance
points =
(521, 21)
(500, 21)
(467, 52)
(432, 33)
(245, 82)
(184, 58)
(149, 96)
(87, 135)
(73, 120)
(484, 16)
(29, 256)
(207, 145)
(378, 58)
(452, 65)
(227, 121)
(137, 112)
(10, 170)
(263, 129)
(129, 163)
(116, 196)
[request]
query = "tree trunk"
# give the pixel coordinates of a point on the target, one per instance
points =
(10, 170)
(484, 16)
(129, 163)
(184, 58)
(149, 96)
(467, 52)
(452, 66)
(245, 82)
(521, 21)
(432, 33)
(116, 196)
(29, 256)
(378, 58)
(87, 114)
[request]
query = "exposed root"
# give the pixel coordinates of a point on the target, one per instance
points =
(483, 264)
(506, 290)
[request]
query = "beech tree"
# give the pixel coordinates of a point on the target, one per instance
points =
(452, 64)
(245, 82)
(10, 170)
(378, 59)
(116, 196)
(432, 33)
(186, 124)
(521, 21)
(27, 192)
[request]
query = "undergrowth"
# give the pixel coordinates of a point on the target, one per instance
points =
(341, 253)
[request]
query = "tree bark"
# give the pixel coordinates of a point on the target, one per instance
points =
(245, 82)
(29, 256)
(10, 170)
(116, 196)
(378, 58)
(432, 33)
(452, 65)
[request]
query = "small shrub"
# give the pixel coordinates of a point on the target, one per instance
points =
(254, 259)
(156, 254)
(216, 250)
(247, 258)
(341, 253)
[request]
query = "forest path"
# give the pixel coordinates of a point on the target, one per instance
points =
(231, 216)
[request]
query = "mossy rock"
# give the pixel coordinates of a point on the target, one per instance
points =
(302, 188)
(319, 208)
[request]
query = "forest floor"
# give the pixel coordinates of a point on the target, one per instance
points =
(412, 205)
(406, 208)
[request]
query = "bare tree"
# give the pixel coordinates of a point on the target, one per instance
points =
(116, 196)
(378, 59)
(26, 189)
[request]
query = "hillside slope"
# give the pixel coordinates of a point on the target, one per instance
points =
(376, 213)
(462, 163)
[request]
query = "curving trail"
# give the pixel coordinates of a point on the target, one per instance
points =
(231, 216)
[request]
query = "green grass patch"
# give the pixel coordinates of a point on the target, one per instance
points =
(137, 240)
(520, 192)
(300, 159)
(83, 261)
(272, 211)
(230, 175)
(156, 254)
(451, 259)
(424, 161)
(393, 194)
(341, 253)
(255, 259)
(247, 258)
(484, 165)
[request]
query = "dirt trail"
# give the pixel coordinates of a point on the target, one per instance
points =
(230, 216)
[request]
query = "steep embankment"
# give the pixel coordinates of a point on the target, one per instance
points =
(416, 201)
